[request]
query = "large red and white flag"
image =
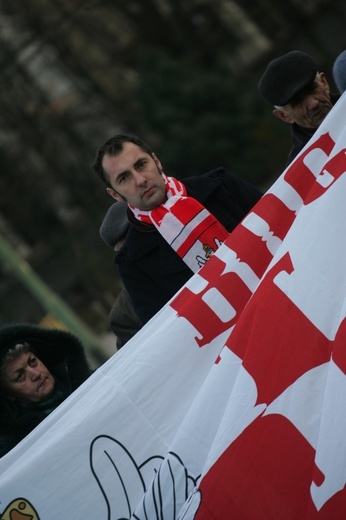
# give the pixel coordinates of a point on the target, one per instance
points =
(230, 403)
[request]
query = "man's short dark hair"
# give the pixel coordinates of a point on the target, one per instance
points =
(113, 147)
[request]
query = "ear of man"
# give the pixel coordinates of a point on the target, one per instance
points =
(114, 194)
(157, 162)
(281, 114)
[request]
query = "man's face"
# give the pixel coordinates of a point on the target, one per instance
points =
(309, 107)
(27, 379)
(135, 177)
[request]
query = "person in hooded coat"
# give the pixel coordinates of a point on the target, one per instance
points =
(39, 368)
(122, 319)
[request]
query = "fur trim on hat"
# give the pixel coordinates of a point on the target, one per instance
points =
(51, 345)
(63, 355)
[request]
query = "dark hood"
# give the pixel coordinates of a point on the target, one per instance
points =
(63, 354)
(52, 346)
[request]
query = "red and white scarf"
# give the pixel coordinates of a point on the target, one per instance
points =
(189, 228)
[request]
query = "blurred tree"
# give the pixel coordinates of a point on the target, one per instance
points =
(199, 117)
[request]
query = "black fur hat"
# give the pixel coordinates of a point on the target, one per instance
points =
(52, 346)
(63, 355)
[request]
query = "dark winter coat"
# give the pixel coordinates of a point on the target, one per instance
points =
(63, 354)
(123, 320)
(151, 270)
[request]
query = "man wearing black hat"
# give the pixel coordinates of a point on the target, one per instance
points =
(300, 95)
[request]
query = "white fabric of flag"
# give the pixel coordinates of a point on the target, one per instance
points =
(230, 402)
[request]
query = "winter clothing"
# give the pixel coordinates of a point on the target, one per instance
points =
(123, 320)
(151, 270)
(301, 136)
(115, 224)
(285, 76)
(63, 355)
(339, 72)
(176, 220)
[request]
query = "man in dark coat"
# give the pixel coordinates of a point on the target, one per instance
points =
(300, 95)
(175, 225)
(39, 368)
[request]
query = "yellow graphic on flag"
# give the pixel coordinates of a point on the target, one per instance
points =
(20, 509)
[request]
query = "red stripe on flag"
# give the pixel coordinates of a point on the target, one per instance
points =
(250, 249)
(278, 216)
(265, 474)
(265, 349)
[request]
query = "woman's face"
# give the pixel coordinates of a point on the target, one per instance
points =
(27, 379)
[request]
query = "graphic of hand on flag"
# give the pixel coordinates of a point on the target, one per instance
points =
(229, 403)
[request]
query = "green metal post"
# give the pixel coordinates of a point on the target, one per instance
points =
(49, 300)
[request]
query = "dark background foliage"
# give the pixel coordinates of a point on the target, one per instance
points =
(182, 74)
